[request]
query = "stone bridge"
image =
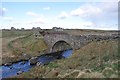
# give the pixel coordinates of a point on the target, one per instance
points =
(58, 41)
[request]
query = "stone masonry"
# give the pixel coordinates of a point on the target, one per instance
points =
(75, 41)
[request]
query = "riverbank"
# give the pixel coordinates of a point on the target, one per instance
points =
(6, 51)
(98, 59)
(24, 66)
(16, 47)
(22, 48)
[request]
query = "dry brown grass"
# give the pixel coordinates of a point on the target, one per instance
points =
(92, 55)
(13, 49)
(29, 45)
(6, 51)
(95, 57)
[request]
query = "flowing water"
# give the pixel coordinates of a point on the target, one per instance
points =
(24, 66)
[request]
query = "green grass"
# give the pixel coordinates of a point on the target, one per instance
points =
(95, 56)
(27, 44)
(52, 65)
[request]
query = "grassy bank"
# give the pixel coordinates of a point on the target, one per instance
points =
(28, 45)
(24, 48)
(95, 60)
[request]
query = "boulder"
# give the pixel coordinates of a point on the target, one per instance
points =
(33, 60)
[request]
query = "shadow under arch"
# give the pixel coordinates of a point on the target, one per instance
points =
(61, 46)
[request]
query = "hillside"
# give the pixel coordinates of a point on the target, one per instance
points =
(97, 59)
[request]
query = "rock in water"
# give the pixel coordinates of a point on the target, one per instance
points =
(19, 72)
(33, 60)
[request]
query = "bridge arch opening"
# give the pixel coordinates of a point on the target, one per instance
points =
(60, 46)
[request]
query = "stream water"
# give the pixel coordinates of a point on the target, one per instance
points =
(14, 69)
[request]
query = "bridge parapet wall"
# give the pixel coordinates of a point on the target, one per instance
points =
(52, 39)
(76, 41)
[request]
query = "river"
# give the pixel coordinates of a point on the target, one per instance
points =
(24, 66)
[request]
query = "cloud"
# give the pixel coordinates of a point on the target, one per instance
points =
(2, 11)
(63, 15)
(8, 18)
(36, 21)
(34, 14)
(97, 10)
(86, 10)
(46, 8)
(105, 13)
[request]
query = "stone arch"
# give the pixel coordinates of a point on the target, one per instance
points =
(61, 45)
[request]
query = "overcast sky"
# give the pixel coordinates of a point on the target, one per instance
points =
(75, 15)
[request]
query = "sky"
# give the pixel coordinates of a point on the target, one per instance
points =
(68, 15)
